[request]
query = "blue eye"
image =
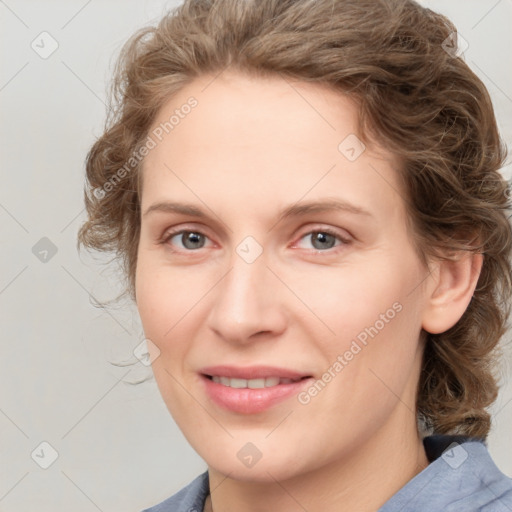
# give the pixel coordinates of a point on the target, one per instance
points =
(190, 240)
(322, 240)
(319, 240)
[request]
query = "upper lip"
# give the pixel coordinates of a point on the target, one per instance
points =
(252, 372)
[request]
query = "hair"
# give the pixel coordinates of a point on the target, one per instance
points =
(415, 96)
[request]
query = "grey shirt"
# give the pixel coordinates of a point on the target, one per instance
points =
(461, 477)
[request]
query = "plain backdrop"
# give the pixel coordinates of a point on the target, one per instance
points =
(115, 445)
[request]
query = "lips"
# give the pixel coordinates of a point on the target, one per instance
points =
(253, 389)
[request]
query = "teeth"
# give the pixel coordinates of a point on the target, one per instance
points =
(237, 383)
(256, 383)
(250, 383)
(272, 381)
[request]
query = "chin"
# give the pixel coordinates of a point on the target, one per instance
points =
(261, 472)
(244, 462)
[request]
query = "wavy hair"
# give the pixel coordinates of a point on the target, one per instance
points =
(398, 61)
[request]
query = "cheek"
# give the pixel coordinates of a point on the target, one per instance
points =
(154, 302)
(167, 302)
(170, 301)
(373, 313)
(349, 299)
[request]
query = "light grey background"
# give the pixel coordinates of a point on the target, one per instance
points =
(118, 448)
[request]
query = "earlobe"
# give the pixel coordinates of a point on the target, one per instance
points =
(454, 283)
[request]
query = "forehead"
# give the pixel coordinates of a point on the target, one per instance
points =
(247, 111)
(263, 142)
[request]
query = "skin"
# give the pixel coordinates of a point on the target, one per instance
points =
(251, 148)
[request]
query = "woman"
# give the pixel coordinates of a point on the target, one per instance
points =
(307, 201)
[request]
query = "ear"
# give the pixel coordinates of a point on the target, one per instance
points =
(453, 285)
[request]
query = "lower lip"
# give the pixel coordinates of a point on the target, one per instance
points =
(251, 401)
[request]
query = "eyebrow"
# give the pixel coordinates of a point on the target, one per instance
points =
(324, 205)
(295, 210)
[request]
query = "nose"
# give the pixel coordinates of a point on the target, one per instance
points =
(247, 304)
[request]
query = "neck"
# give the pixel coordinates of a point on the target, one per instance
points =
(363, 480)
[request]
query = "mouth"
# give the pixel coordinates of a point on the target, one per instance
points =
(260, 383)
(251, 390)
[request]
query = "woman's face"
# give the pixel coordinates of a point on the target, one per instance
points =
(276, 277)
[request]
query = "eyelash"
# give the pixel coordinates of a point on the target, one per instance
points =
(344, 241)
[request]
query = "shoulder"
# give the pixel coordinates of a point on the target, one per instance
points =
(461, 476)
(189, 499)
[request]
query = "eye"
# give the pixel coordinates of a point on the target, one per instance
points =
(190, 240)
(319, 240)
(324, 239)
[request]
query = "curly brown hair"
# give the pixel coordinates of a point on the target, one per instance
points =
(397, 60)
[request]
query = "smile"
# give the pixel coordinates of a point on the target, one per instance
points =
(251, 383)
(251, 390)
